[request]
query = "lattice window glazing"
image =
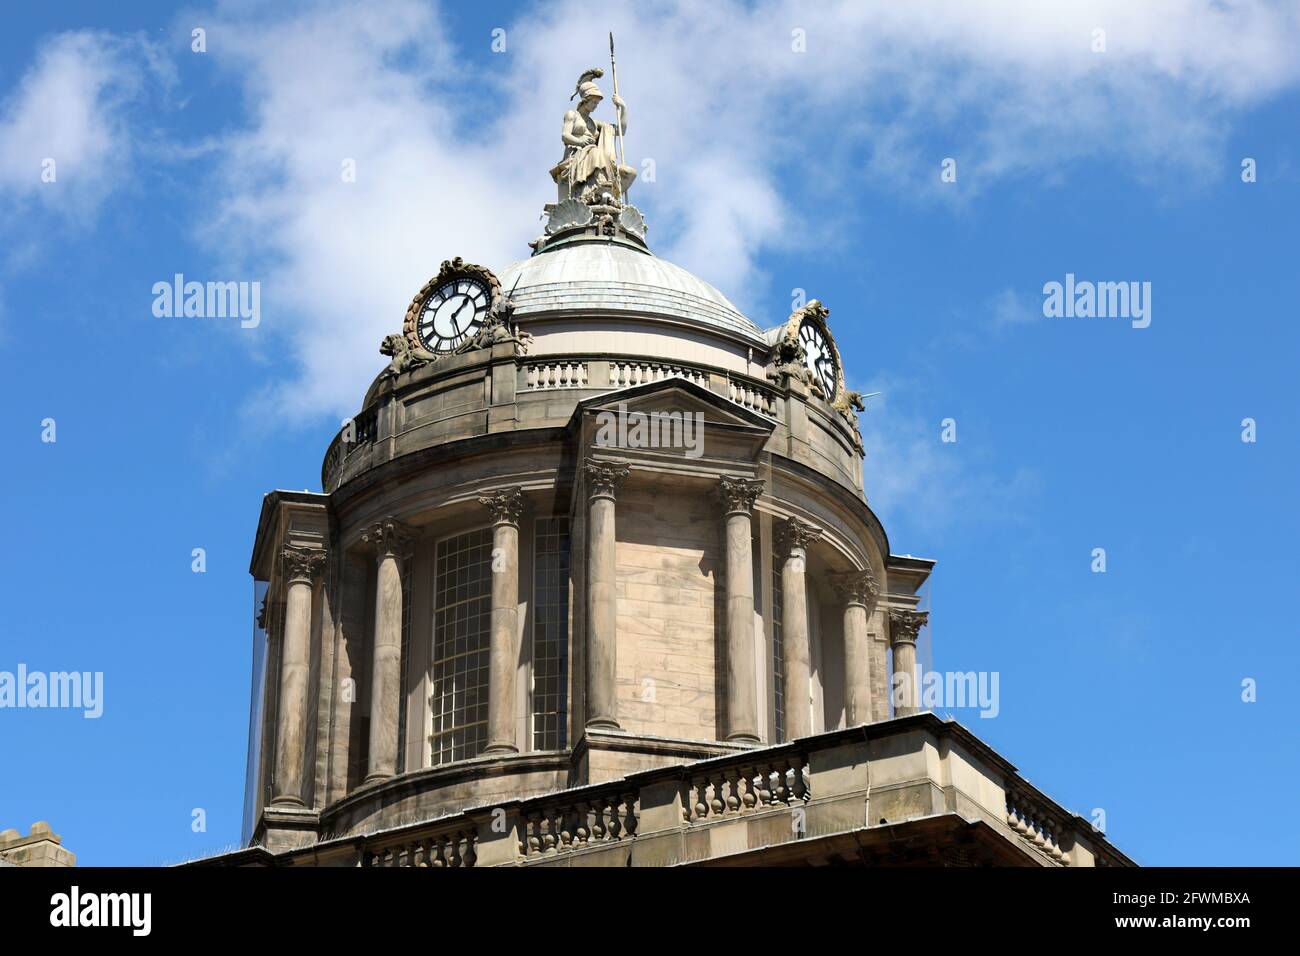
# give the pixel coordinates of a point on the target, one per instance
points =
(778, 653)
(550, 633)
(462, 619)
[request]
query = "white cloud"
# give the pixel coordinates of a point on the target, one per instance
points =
(756, 146)
(69, 107)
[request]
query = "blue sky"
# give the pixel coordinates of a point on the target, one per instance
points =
(775, 170)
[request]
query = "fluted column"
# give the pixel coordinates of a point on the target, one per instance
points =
(858, 591)
(603, 481)
(300, 566)
(903, 628)
(737, 496)
(506, 507)
(793, 539)
(389, 539)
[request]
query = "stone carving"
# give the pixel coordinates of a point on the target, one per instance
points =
(847, 401)
(857, 587)
(905, 625)
(499, 328)
(631, 221)
(738, 494)
(788, 356)
(405, 358)
(569, 214)
(796, 534)
(506, 505)
(388, 536)
(604, 478)
(302, 564)
(590, 170)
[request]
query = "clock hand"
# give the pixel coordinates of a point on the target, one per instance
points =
(455, 315)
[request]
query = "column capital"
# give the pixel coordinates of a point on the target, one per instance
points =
(604, 478)
(904, 625)
(795, 534)
(738, 494)
(856, 587)
(506, 505)
(388, 536)
(302, 564)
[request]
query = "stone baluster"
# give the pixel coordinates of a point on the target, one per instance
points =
(859, 592)
(506, 507)
(793, 538)
(603, 481)
(301, 567)
(738, 496)
(389, 538)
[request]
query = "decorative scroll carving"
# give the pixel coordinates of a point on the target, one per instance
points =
(506, 505)
(604, 478)
(738, 494)
(302, 564)
(857, 587)
(388, 536)
(905, 625)
(795, 534)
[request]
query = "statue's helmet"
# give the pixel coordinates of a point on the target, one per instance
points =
(587, 88)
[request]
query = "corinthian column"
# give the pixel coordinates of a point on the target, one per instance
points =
(793, 539)
(903, 628)
(603, 481)
(506, 507)
(389, 538)
(301, 566)
(737, 495)
(858, 590)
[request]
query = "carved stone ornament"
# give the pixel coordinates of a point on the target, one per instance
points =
(387, 536)
(506, 505)
(796, 534)
(497, 327)
(302, 564)
(604, 478)
(405, 358)
(857, 587)
(738, 494)
(905, 625)
(567, 214)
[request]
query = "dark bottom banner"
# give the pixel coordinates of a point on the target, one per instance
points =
(206, 905)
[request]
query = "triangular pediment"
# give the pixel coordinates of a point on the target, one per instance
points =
(677, 395)
(670, 419)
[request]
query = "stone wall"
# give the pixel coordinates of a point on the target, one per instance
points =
(668, 563)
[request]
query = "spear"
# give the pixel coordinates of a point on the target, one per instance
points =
(618, 126)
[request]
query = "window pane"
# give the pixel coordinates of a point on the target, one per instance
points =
(462, 595)
(550, 633)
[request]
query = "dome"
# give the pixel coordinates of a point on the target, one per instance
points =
(611, 278)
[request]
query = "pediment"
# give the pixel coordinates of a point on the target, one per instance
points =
(677, 395)
(673, 419)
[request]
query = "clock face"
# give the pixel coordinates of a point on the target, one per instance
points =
(820, 357)
(453, 312)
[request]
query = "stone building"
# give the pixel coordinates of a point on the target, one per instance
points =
(593, 579)
(40, 847)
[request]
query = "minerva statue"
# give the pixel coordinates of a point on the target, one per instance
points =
(590, 168)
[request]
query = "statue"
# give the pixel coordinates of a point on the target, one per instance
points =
(405, 358)
(590, 170)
